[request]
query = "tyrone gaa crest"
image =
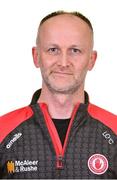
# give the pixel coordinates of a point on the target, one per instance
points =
(98, 164)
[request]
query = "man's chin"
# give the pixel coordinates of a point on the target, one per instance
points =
(62, 90)
(60, 87)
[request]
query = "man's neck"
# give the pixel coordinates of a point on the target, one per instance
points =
(60, 106)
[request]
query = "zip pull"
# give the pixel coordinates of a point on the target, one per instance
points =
(60, 162)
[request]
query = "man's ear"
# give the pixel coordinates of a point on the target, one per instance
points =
(92, 60)
(35, 56)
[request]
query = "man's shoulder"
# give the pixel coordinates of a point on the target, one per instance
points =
(11, 120)
(104, 116)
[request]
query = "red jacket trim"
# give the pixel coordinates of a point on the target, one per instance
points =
(10, 121)
(54, 134)
(103, 116)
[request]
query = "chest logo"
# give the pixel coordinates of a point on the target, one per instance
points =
(107, 136)
(22, 166)
(10, 167)
(98, 164)
(15, 138)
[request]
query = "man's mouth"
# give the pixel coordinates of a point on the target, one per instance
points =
(62, 73)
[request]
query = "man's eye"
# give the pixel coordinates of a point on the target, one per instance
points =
(75, 50)
(52, 50)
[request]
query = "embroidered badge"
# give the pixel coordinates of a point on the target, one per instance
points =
(98, 164)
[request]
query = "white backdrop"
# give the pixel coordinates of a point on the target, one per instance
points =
(19, 21)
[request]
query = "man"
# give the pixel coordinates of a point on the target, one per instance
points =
(60, 135)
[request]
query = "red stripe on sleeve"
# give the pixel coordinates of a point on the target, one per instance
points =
(103, 116)
(10, 121)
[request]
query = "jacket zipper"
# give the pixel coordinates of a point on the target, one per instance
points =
(60, 151)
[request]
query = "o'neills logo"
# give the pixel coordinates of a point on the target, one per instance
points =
(15, 138)
(21, 166)
(98, 164)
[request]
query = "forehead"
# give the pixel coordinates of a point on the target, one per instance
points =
(66, 26)
(65, 19)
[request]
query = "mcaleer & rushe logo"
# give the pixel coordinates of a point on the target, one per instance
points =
(21, 166)
(98, 164)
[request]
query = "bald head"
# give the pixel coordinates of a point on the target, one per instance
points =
(61, 18)
(65, 25)
(75, 13)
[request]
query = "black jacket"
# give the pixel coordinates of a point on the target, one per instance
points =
(30, 147)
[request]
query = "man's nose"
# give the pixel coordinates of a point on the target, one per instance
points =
(63, 60)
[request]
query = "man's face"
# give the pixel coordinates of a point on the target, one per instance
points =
(64, 53)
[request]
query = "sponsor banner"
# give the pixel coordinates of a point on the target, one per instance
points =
(22, 166)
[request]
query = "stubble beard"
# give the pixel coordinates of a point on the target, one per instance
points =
(71, 89)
